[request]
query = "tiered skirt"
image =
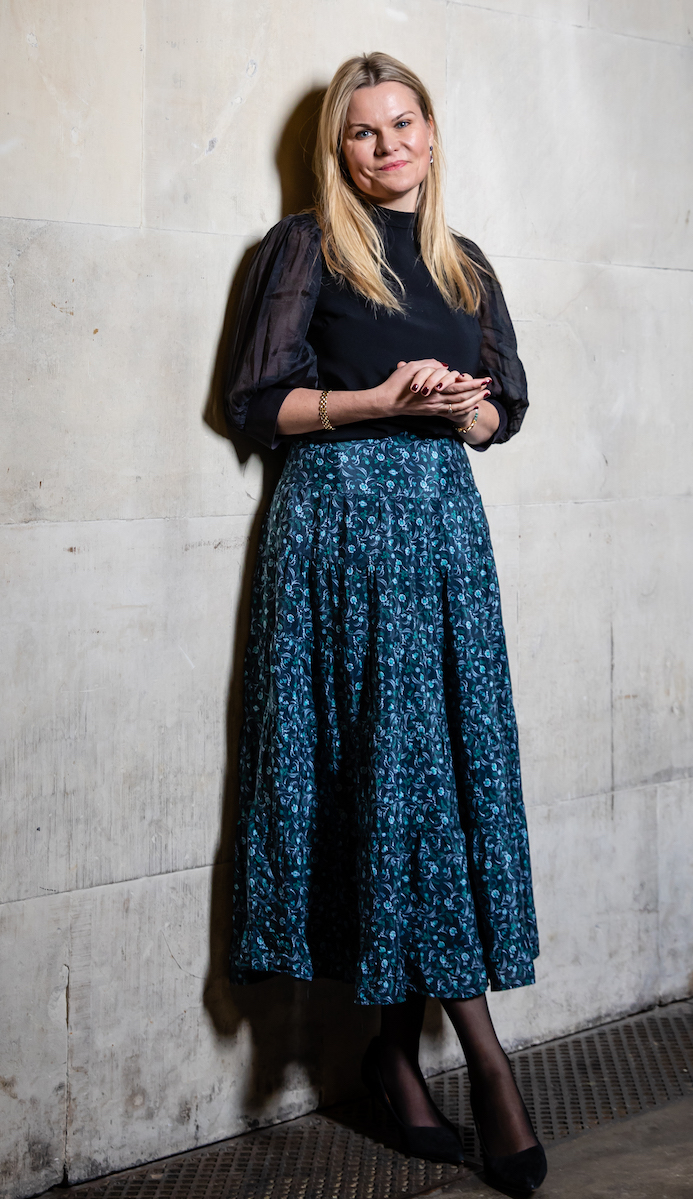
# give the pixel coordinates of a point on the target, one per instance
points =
(381, 836)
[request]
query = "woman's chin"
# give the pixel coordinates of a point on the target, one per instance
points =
(395, 189)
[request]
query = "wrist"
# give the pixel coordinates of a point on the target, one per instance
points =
(491, 418)
(484, 426)
(345, 407)
(375, 402)
(469, 422)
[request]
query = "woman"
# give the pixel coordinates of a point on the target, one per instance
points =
(382, 837)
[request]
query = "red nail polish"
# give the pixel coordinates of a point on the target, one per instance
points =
(438, 386)
(424, 391)
(445, 365)
(415, 387)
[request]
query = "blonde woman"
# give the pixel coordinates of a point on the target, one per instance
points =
(382, 835)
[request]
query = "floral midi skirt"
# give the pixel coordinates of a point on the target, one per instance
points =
(381, 836)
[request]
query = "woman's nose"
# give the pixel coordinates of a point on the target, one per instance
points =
(384, 144)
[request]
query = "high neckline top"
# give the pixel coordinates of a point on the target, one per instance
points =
(298, 326)
(357, 346)
(395, 217)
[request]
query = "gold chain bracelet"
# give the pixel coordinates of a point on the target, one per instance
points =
(471, 423)
(322, 411)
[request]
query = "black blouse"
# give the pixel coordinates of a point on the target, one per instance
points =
(298, 326)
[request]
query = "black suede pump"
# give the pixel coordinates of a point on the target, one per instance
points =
(434, 1144)
(517, 1173)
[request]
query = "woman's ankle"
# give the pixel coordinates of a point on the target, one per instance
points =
(500, 1112)
(405, 1086)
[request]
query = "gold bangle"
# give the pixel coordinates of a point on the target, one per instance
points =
(471, 423)
(322, 412)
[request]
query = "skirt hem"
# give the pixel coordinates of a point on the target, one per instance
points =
(369, 997)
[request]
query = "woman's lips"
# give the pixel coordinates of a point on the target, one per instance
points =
(394, 166)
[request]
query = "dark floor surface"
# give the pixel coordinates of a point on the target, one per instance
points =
(646, 1157)
(612, 1105)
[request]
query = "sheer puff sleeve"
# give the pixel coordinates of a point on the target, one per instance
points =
(499, 358)
(270, 354)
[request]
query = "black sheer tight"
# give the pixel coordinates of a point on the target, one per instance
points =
(504, 1124)
(503, 1120)
(400, 1030)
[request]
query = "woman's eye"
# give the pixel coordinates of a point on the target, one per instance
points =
(363, 133)
(400, 123)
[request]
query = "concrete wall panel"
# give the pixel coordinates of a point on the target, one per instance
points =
(653, 656)
(152, 1073)
(34, 1077)
(603, 684)
(675, 845)
(148, 1078)
(87, 437)
(671, 22)
(117, 641)
(569, 12)
(609, 358)
(595, 877)
(563, 684)
(565, 124)
(71, 113)
(221, 87)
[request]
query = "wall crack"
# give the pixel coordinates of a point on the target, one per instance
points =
(65, 1179)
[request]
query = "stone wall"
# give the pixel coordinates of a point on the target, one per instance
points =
(145, 148)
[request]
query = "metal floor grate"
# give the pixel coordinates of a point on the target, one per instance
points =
(570, 1086)
(592, 1077)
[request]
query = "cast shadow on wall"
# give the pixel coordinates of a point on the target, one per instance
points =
(314, 1026)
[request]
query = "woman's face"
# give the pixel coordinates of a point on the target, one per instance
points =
(386, 144)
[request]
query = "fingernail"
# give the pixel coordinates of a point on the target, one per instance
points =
(445, 365)
(486, 393)
(415, 387)
(438, 386)
(424, 391)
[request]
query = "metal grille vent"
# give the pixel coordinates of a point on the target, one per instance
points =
(569, 1086)
(310, 1158)
(593, 1077)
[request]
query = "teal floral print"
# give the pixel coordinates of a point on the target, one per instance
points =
(381, 836)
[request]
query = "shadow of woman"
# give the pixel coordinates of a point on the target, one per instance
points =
(303, 1034)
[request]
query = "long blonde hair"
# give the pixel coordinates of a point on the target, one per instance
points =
(351, 242)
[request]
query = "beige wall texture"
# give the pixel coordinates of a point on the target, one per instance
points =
(145, 147)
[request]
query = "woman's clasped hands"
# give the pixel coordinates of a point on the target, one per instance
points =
(428, 387)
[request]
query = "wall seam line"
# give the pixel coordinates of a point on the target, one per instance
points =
(142, 108)
(589, 27)
(65, 1180)
(250, 237)
(77, 520)
(120, 882)
(658, 876)
(212, 865)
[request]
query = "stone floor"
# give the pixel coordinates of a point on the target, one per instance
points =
(646, 1157)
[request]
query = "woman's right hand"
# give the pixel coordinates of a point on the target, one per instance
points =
(427, 387)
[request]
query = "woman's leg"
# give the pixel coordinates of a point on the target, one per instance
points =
(398, 1061)
(499, 1109)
